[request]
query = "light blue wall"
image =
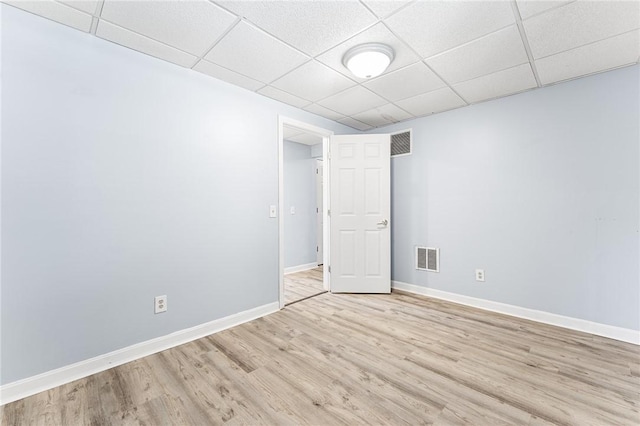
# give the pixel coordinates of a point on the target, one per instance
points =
(539, 189)
(125, 177)
(300, 192)
(316, 150)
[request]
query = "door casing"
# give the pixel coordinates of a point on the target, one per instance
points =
(320, 211)
(325, 135)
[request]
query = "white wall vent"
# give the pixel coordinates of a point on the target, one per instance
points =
(401, 143)
(428, 259)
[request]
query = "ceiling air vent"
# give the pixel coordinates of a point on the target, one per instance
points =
(401, 143)
(428, 259)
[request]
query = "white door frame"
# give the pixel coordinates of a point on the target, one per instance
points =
(319, 213)
(325, 135)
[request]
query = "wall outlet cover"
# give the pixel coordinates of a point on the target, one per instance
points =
(160, 304)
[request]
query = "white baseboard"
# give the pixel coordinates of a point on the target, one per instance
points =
(60, 376)
(612, 332)
(300, 268)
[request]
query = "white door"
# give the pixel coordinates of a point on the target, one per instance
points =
(360, 208)
(319, 211)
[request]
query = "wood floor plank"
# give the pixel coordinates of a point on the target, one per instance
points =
(301, 285)
(361, 359)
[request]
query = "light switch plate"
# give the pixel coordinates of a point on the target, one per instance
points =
(272, 211)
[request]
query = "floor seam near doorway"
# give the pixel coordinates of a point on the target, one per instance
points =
(305, 298)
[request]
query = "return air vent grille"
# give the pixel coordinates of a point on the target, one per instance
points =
(428, 259)
(401, 143)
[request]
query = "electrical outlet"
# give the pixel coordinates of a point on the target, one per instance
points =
(161, 304)
(479, 274)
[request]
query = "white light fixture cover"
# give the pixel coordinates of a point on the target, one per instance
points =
(368, 60)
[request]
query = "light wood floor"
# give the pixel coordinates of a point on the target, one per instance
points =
(362, 359)
(301, 285)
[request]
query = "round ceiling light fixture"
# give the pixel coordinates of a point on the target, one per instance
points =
(368, 60)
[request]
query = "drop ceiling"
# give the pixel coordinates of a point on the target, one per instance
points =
(449, 54)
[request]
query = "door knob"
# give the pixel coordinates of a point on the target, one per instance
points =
(385, 222)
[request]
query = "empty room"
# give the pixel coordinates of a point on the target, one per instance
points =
(319, 212)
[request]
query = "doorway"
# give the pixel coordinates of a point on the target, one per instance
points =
(303, 242)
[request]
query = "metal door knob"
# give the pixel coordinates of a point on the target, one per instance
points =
(384, 222)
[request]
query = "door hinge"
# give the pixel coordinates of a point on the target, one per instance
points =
(317, 210)
(329, 268)
(316, 171)
(317, 249)
(329, 212)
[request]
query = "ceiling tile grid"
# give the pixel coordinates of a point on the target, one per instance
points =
(384, 8)
(58, 12)
(379, 33)
(491, 53)
(613, 52)
(383, 115)
(432, 27)
(88, 6)
(313, 81)
(191, 25)
(498, 84)
(580, 23)
(283, 96)
(229, 76)
(138, 42)
(324, 112)
(255, 54)
(352, 122)
(310, 26)
(529, 8)
(405, 83)
(432, 102)
(352, 101)
(448, 54)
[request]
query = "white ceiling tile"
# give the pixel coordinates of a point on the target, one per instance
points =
(281, 96)
(384, 8)
(348, 121)
(432, 27)
(432, 102)
(473, 45)
(405, 83)
(494, 52)
(606, 54)
(313, 81)
(498, 84)
(143, 44)
(528, 8)
(311, 26)
(88, 6)
(229, 76)
(290, 132)
(56, 12)
(379, 34)
(579, 23)
(353, 101)
(380, 116)
(323, 112)
(251, 52)
(192, 26)
(306, 139)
